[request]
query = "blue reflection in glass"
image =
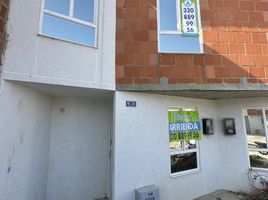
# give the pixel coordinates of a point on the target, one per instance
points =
(59, 6)
(168, 15)
(179, 44)
(67, 30)
(84, 10)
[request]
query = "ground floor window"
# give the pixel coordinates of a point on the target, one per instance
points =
(184, 158)
(257, 132)
(184, 133)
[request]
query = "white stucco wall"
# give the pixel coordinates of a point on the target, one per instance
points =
(24, 143)
(235, 148)
(38, 140)
(142, 148)
(34, 58)
(78, 158)
(47, 153)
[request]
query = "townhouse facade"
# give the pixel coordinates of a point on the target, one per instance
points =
(99, 98)
(175, 58)
(58, 73)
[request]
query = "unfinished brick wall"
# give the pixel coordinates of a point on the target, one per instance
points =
(4, 4)
(235, 45)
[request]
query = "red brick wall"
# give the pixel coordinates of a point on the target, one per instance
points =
(235, 45)
(3, 18)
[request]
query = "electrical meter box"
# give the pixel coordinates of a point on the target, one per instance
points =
(208, 128)
(150, 192)
(229, 126)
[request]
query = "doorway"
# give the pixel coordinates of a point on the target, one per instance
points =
(79, 149)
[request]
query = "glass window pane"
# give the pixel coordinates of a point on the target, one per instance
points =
(179, 44)
(266, 116)
(59, 6)
(178, 145)
(255, 128)
(190, 145)
(183, 162)
(84, 10)
(67, 30)
(168, 15)
(259, 159)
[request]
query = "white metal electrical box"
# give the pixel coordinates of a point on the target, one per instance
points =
(150, 192)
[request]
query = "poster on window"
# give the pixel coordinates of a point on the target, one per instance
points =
(184, 125)
(188, 14)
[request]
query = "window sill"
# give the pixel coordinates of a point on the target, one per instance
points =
(258, 169)
(172, 52)
(59, 39)
(184, 173)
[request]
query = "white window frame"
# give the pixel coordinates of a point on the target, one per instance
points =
(266, 134)
(159, 32)
(70, 18)
(184, 151)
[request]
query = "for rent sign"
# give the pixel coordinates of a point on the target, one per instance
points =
(189, 21)
(184, 125)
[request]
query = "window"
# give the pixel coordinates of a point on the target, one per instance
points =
(70, 20)
(256, 131)
(183, 156)
(184, 133)
(179, 26)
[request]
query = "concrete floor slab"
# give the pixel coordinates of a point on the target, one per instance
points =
(222, 195)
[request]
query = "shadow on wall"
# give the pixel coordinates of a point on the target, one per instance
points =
(229, 63)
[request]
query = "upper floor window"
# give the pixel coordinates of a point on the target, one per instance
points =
(70, 20)
(179, 26)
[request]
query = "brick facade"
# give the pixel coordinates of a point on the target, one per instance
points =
(235, 45)
(3, 18)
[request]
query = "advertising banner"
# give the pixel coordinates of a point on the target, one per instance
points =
(188, 14)
(184, 125)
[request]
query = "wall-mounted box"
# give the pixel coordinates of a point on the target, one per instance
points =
(229, 126)
(208, 126)
(150, 192)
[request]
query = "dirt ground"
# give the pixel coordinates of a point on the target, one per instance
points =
(222, 195)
